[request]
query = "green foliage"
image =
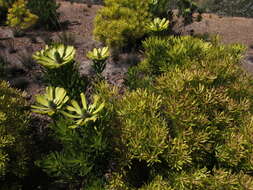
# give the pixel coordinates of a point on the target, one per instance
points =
(19, 17)
(122, 22)
(46, 10)
(162, 54)
(84, 156)
(205, 109)
(186, 9)
(158, 25)
(144, 132)
(158, 183)
(84, 114)
(51, 102)
(14, 140)
(60, 68)
(55, 56)
(99, 57)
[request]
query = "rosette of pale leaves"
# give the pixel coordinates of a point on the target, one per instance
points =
(84, 113)
(55, 56)
(158, 25)
(51, 102)
(99, 54)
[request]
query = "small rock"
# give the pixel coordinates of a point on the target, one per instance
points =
(6, 34)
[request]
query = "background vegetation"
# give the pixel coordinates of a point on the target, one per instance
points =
(182, 120)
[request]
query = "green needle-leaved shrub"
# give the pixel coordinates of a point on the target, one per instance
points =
(203, 117)
(144, 131)
(122, 22)
(14, 140)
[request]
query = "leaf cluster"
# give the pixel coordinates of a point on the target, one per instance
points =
(122, 22)
(60, 68)
(47, 11)
(190, 124)
(20, 17)
(14, 139)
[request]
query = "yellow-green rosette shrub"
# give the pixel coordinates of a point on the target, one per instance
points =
(55, 56)
(14, 141)
(122, 22)
(19, 16)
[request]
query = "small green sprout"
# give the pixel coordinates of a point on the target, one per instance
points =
(158, 25)
(51, 102)
(83, 114)
(55, 56)
(99, 57)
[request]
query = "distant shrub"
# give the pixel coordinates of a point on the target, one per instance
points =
(14, 140)
(122, 22)
(242, 8)
(46, 10)
(19, 17)
(186, 9)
